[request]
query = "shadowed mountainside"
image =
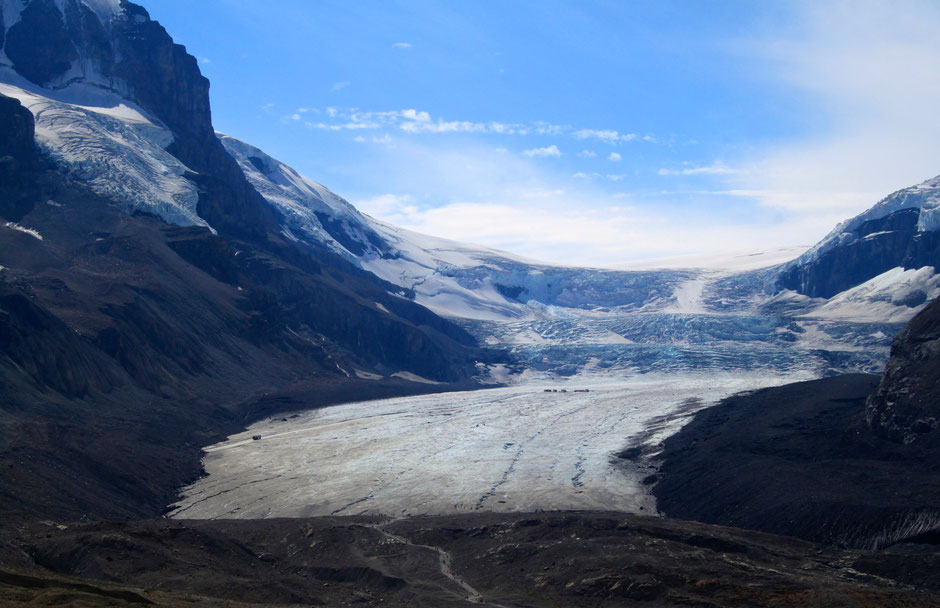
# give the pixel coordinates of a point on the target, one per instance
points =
(126, 343)
(844, 460)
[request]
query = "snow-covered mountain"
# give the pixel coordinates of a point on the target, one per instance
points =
(711, 311)
(150, 148)
(900, 232)
(450, 278)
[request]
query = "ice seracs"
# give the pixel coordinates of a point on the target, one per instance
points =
(114, 148)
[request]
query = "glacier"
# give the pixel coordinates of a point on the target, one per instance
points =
(507, 449)
(110, 145)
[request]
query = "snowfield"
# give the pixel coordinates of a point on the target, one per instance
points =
(506, 449)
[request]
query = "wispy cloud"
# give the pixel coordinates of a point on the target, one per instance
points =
(402, 45)
(384, 139)
(551, 150)
(614, 157)
(609, 136)
(339, 86)
(872, 70)
(420, 121)
(716, 168)
(475, 193)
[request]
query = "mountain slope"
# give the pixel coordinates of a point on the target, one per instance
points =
(844, 460)
(149, 300)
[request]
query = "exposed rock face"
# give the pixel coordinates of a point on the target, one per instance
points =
(41, 20)
(902, 230)
(906, 405)
(19, 159)
(839, 460)
(43, 349)
(134, 56)
(165, 79)
(878, 245)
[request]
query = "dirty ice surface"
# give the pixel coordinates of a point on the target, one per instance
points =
(506, 449)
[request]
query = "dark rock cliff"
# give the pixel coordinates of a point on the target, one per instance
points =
(874, 247)
(19, 159)
(166, 80)
(906, 405)
(135, 56)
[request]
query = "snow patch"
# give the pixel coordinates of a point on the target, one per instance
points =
(732, 261)
(414, 378)
(33, 233)
(894, 296)
(366, 375)
(105, 9)
(688, 297)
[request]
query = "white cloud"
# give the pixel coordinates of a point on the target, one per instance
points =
(385, 139)
(402, 45)
(544, 128)
(609, 136)
(441, 126)
(473, 193)
(716, 168)
(419, 121)
(547, 151)
(204, 60)
(388, 204)
(339, 86)
(614, 157)
(872, 71)
(587, 154)
(416, 115)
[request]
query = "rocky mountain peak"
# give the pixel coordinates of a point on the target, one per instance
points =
(900, 231)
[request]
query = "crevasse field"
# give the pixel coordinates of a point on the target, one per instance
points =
(506, 449)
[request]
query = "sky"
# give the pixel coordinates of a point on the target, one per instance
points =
(584, 132)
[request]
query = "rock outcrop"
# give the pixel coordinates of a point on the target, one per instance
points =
(132, 55)
(906, 405)
(19, 159)
(844, 460)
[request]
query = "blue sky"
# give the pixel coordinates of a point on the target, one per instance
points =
(583, 132)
